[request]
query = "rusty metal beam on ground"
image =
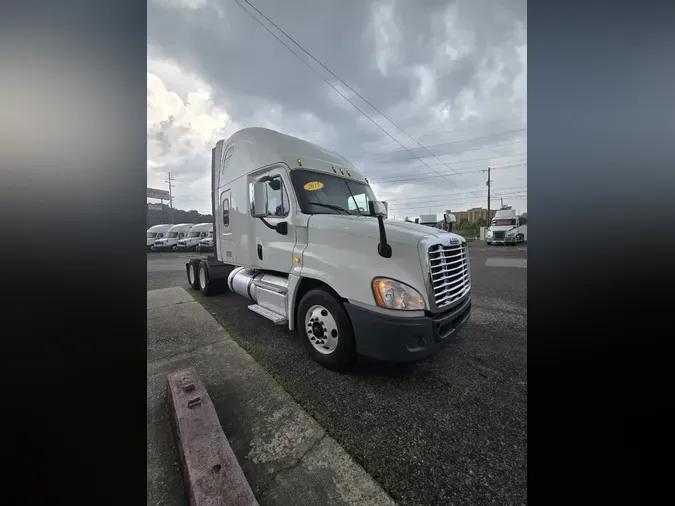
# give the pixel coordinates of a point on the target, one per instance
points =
(211, 471)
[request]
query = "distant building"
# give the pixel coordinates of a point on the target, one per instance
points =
(474, 215)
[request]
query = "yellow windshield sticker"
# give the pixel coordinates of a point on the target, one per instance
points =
(313, 186)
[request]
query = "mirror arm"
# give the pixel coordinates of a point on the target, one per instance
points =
(384, 249)
(279, 228)
(267, 224)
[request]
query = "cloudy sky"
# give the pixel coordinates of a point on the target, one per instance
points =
(450, 76)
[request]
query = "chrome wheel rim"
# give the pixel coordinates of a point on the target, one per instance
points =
(321, 329)
(202, 278)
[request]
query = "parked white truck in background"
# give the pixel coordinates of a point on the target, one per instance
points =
(299, 232)
(206, 244)
(196, 234)
(506, 228)
(155, 232)
(173, 235)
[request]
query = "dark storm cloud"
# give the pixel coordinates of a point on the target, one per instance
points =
(432, 67)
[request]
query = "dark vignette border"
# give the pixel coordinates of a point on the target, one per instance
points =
(72, 199)
(73, 133)
(601, 177)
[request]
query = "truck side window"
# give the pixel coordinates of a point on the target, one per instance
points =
(226, 212)
(277, 198)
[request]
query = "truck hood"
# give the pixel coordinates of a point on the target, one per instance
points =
(398, 232)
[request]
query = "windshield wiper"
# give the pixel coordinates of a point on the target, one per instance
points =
(330, 206)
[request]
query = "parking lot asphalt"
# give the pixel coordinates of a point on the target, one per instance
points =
(451, 429)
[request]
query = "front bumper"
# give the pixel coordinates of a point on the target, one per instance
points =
(401, 339)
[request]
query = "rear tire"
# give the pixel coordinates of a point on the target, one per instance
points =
(322, 319)
(193, 275)
(174, 248)
(205, 285)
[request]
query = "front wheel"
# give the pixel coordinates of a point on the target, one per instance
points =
(325, 329)
(489, 243)
(174, 248)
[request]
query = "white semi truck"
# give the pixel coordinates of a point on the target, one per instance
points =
(155, 232)
(206, 244)
(196, 234)
(506, 228)
(299, 232)
(172, 236)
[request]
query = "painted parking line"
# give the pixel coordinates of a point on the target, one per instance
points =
(520, 263)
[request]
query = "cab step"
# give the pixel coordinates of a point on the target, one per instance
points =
(270, 315)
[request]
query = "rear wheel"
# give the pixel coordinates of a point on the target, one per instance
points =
(174, 248)
(205, 285)
(325, 329)
(192, 275)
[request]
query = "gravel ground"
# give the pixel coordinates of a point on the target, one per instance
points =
(448, 430)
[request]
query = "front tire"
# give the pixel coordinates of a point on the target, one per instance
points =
(489, 243)
(325, 329)
(205, 285)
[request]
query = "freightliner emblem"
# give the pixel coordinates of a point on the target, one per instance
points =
(453, 241)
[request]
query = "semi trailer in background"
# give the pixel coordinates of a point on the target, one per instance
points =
(299, 233)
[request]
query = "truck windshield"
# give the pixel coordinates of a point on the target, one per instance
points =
(322, 193)
(173, 234)
(504, 223)
(152, 235)
(194, 234)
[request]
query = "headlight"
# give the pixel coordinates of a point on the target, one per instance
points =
(489, 233)
(391, 294)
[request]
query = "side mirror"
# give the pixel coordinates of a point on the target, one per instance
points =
(450, 218)
(377, 208)
(259, 199)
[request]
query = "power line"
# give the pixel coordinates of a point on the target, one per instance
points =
(512, 196)
(442, 195)
(336, 77)
(443, 202)
(489, 158)
(455, 198)
(417, 178)
(475, 169)
(446, 143)
(478, 148)
(473, 127)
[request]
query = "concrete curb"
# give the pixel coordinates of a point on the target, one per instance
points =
(211, 471)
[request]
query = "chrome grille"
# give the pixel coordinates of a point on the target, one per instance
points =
(450, 278)
(499, 235)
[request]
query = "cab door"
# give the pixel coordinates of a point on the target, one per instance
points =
(271, 250)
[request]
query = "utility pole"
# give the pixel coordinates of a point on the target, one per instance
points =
(170, 180)
(502, 201)
(488, 185)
